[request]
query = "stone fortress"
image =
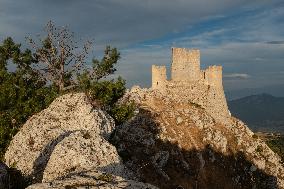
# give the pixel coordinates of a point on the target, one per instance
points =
(190, 84)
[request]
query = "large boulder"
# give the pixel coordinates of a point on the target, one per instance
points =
(66, 146)
(83, 150)
(73, 130)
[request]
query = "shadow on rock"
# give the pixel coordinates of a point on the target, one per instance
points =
(11, 178)
(166, 165)
(42, 160)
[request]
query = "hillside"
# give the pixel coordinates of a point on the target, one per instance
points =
(261, 112)
(173, 143)
(168, 144)
(274, 141)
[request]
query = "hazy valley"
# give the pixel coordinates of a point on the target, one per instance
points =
(261, 112)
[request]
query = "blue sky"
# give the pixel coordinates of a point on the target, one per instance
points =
(245, 37)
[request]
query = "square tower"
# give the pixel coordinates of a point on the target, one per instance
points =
(159, 77)
(185, 64)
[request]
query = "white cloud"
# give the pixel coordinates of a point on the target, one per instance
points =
(237, 76)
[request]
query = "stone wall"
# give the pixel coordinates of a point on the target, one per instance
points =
(211, 98)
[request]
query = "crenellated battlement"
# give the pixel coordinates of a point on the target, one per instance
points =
(186, 68)
(190, 83)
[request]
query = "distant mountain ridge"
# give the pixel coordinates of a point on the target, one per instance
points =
(262, 112)
(275, 90)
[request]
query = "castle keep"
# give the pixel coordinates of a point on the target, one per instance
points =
(189, 83)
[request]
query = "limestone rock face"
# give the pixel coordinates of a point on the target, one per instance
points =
(92, 180)
(174, 142)
(70, 115)
(66, 146)
(83, 150)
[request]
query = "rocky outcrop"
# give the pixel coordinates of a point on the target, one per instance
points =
(67, 145)
(33, 145)
(175, 143)
(83, 150)
(92, 180)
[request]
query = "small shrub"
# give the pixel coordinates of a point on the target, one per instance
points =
(123, 112)
(106, 177)
(254, 136)
(31, 142)
(105, 94)
(87, 135)
(70, 187)
(259, 149)
(195, 105)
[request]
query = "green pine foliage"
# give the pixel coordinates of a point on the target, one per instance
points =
(106, 67)
(25, 89)
(122, 112)
(105, 94)
(22, 91)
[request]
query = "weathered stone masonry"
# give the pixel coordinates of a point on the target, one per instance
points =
(189, 83)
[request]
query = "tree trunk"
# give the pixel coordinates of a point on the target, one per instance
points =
(61, 79)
